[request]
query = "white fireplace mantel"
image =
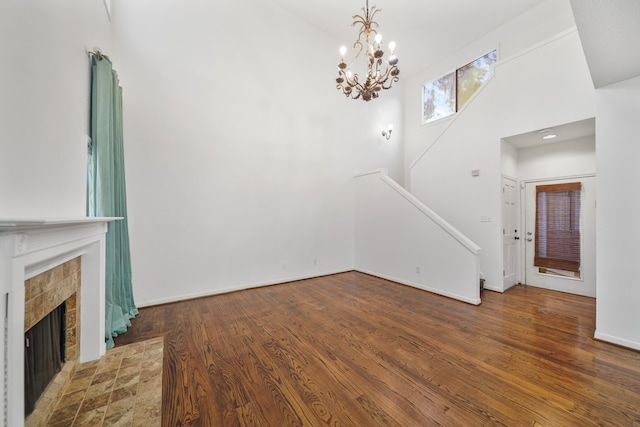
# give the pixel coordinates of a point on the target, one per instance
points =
(31, 247)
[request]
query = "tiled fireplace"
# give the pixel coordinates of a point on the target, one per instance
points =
(54, 291)
(31, 251)
(46, 291)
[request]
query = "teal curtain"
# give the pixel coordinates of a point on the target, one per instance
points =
(106, 193)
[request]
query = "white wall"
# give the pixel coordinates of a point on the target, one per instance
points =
(539, 87)
(508, 159)
(400, 239)
(538, 24)
(565, 158)
(44, 104)
(618, 252)
(240, 152)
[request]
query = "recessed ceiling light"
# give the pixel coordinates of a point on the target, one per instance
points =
(547, 134)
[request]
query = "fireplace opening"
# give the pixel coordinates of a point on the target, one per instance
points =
(44, 354)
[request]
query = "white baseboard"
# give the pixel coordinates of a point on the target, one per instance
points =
(195, 295)
(423, 287)
(493, 288)
(617, 340)
(161, 301)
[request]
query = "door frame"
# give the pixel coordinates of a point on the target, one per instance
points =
(523, 183)
(518, 225)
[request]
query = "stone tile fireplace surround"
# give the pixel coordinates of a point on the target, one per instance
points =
(27, 249)
(46, 291)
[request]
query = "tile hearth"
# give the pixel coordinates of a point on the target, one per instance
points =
(122, 388)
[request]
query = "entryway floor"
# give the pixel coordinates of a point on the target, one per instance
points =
(122, 388)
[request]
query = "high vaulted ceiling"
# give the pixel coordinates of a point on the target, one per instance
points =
(421, 28)
(610, 35)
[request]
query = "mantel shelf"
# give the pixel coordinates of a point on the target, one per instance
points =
(17, 225)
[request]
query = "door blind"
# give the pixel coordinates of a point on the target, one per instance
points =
(558, 226)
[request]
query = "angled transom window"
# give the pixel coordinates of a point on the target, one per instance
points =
(448, 94)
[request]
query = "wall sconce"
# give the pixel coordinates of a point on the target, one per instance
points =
(387, 132)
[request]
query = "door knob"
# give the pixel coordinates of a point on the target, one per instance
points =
(529, 239)
(517, 238)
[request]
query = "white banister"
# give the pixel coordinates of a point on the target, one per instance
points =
(397, 237)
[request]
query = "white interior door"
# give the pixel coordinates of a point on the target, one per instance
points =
(586, 283)
(510, 234)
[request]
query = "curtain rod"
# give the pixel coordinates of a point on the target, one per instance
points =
(97, 53)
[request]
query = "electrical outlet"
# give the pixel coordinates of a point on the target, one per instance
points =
(417, 270)
(485, 218)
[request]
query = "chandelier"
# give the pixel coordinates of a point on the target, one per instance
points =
(381, 73)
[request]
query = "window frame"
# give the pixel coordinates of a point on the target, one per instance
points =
(454, 89)
(573, 248)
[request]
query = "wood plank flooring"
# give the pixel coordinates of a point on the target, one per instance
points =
(355, 350)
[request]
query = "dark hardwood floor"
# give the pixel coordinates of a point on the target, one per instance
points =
(355, 350)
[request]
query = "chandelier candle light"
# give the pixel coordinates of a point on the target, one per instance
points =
(381, 72)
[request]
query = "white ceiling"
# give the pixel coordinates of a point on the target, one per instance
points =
(610, 35)
(421, 28)
(609, 30)
(565, 132)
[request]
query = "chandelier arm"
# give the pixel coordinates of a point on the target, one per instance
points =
(359, 47)
(359, 87)
(352, 83)
(355, 84)
(350, 93)
(382, 76)
(394, 79)
(375, 85)
(344, 90)
(378, 63)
